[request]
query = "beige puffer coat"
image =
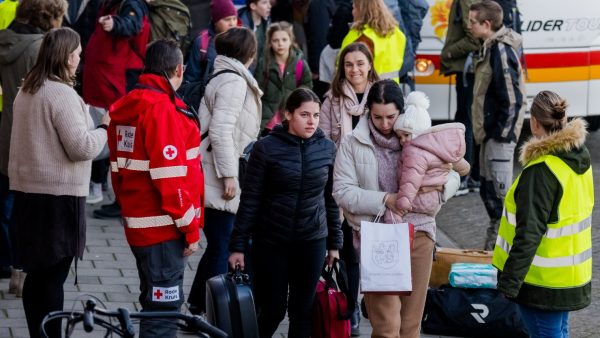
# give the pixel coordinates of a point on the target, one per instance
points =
(231, 112)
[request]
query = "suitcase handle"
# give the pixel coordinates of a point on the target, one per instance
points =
(238, 277)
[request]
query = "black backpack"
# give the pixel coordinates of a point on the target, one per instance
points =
(170, 19)
(192, 92)
(512, 16)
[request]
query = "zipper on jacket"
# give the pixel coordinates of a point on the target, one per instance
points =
(301, 188)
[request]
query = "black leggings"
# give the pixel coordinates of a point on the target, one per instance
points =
(277, 267)
(43, 293)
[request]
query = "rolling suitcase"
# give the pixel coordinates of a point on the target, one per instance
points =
(230, 305)
(444, 257)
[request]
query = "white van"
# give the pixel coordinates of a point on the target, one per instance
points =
(561, 42)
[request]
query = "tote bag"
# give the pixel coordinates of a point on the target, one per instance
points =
(385, 257)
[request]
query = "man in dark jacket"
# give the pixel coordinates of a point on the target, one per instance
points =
(459, 44)
(498, 106)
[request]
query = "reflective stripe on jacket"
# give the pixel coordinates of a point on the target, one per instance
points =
(564, 256)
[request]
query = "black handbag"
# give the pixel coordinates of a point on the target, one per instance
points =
(471, 313)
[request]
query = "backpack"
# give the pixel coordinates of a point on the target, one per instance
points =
(512, 16)
(170, 19)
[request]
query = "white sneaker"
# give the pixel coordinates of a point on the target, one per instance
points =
(95, 195)
(463, 189)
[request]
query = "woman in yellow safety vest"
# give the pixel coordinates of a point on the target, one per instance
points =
(375, 25)
(544, 243)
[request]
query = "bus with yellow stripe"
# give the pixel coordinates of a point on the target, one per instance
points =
(561, 41)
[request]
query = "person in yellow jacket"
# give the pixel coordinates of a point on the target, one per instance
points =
(375, 26)
(8, 11)
(544, 243)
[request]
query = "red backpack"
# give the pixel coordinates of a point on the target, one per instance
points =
(331, 314)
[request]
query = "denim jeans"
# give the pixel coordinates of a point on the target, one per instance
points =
(7, 231)
(545, 324)
(217, 229)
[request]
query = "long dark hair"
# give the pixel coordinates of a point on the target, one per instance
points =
(340, 74)
(53, 59)
(384, 92)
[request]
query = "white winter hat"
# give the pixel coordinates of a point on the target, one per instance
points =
(415, 119)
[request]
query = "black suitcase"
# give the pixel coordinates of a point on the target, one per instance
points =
(230, 305)
(471, 313)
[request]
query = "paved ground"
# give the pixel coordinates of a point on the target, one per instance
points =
(108, 270)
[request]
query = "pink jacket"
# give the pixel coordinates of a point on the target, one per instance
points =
(426, 162)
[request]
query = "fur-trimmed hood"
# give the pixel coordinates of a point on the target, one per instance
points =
(570, 138)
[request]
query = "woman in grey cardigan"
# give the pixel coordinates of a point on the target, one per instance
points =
(52, 144)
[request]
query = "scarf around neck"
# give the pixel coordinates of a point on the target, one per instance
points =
(387, 153)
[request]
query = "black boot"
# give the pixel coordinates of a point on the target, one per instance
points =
(112, 210)
(355, 322)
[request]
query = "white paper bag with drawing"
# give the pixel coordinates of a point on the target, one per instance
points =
(385, 257)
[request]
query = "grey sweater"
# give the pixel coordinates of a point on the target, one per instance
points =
(53, 142)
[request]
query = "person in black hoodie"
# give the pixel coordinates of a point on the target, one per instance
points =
(288, 211)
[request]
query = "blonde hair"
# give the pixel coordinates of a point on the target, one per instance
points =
(375, 14)
(550, 110)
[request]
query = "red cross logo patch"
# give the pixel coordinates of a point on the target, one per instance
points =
(165, 294)
(169, 152)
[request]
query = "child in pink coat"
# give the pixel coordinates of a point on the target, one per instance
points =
(428, 155)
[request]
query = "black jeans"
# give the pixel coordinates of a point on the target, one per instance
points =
(218, 225)
(100, 171)
(349, 255)
(277, 267)
(43, 293)
(464, 100)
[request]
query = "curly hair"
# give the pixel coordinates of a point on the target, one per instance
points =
(43, 14)
(376, 15)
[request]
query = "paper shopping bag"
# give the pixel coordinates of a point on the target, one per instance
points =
(385, 257)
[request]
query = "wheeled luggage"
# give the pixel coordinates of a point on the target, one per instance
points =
(230, 305)
(445, 257)
(471, 313)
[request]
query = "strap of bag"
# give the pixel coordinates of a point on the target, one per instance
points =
(205, 134)
(299, 71)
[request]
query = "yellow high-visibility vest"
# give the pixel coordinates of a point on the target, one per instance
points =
(564, 256)
(388, 54)
(8, 11)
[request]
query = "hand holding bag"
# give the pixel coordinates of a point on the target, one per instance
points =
(385, 265)
(331, 311)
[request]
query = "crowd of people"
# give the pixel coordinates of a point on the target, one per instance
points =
(318, 93)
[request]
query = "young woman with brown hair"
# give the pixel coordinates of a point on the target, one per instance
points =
(52, 146)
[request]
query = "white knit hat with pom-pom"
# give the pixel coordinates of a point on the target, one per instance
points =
(415, 119)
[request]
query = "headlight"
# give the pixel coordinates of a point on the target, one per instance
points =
(424, 67)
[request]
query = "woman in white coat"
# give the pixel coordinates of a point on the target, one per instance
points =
(365, 182)
(230, 115)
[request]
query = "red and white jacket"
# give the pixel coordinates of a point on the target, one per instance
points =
(155, 165)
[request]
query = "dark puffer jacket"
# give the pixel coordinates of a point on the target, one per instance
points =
(286, 196)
